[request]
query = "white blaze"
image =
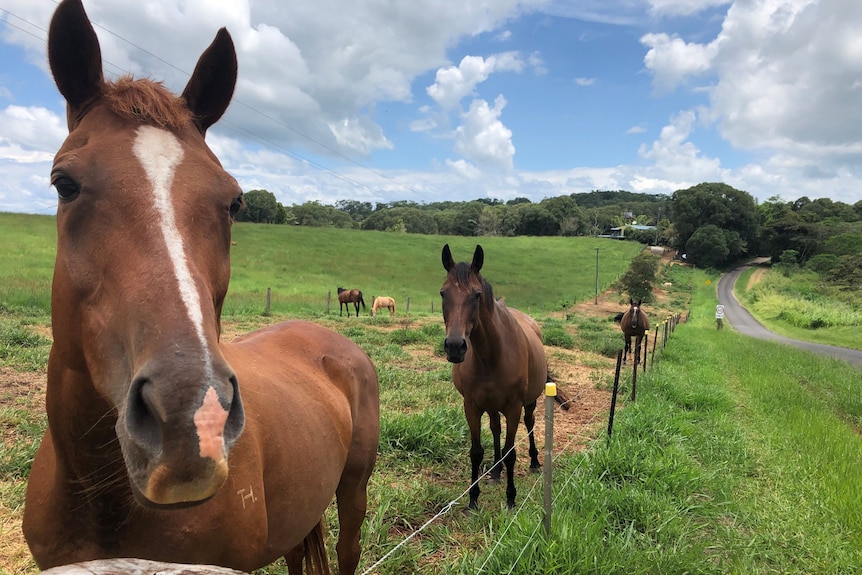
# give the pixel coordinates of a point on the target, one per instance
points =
(160, 153)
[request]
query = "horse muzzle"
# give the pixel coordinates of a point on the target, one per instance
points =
(456, 349)
(176, 444)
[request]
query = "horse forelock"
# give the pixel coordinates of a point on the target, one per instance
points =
(146, 101)
(461, 274)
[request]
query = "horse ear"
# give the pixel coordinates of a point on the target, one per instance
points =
(639, 303)
(75, 58)
(478, 258)
(448, 262)
(211, 86)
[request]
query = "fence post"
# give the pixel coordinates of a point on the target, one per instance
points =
(407, 308)
(550, 393)
(654, 341)
(646, 349)
(328, 299)
(268, 299)
(614, 394)
(635, 376)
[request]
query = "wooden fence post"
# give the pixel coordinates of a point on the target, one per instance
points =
(614, 394)
(550, 393)
(266, 311)
(328, 299)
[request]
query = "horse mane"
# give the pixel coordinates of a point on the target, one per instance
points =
(461, 272)
(147, 101)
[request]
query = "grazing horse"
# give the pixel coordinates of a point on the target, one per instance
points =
(381, 302)
(498, 364)
(634, 323)
(164, 442)
(348, 296)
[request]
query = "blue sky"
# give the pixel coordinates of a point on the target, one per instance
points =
(439, 100)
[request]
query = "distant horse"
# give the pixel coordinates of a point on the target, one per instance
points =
(634, 323)
(163, 442)
(498, 364)
(383, 302)
(348, 296)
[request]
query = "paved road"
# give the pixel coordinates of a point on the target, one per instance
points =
(744, 323)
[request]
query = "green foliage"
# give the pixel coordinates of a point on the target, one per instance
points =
(732, 212)
(261, 207)
(554, 333)
(707, 247)
(639, 279)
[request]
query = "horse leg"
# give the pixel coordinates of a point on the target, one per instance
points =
(530, 422)
(474, 422)
(513, 417)
(293, 558)
(628, 347)
(494, 424)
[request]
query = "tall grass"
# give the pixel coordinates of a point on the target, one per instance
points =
(793, 306)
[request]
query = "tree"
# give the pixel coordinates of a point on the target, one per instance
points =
(260, 207)
(707, 247)
(718, 205)
(638, 281)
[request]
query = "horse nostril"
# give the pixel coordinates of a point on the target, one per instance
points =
(236, 416)
(142, 414)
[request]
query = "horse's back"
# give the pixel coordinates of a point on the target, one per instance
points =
(537, 363)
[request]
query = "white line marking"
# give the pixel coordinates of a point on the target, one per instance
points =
(160, 153)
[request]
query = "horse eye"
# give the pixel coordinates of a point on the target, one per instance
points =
(67, 188)
(477, 294)
(236, 205)
(442, 293)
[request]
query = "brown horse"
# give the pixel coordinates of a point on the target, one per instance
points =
(163, 442)
(381, 302)
(348, 296)
(499, 364)
(634, 323)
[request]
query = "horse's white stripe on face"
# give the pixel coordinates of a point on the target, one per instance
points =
(160, 153)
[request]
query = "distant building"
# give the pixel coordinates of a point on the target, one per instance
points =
(619, 233)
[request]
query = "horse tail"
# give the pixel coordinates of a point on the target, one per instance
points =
(561, 397)
(362, 301)
(314, 552)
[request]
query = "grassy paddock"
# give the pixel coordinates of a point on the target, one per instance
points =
(739, 456)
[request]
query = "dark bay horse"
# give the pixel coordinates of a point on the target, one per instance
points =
(164, 442)
(634, 323)
(498, 364)
(350, 296)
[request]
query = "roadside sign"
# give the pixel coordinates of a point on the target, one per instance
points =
(719, 311)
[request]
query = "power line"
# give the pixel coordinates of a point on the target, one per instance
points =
(248, 134)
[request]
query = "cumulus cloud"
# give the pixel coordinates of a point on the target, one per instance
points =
(454, 83)
(672, 60)
(483, 138)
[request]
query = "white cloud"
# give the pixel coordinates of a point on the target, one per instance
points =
(452, 83)
(483, 138)
(672, 60)
(585, 81)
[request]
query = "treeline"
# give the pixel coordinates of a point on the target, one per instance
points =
(574, 215)
(713, 224)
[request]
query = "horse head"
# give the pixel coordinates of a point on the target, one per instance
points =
(635, 312)
(143, 262)
(464, 292)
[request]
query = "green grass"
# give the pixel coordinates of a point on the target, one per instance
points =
(739, 456)
(794, 307)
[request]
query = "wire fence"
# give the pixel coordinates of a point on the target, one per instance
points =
(663, 331)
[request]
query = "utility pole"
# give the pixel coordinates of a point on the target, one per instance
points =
(597, 277)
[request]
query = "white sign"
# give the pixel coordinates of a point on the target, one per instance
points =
(719, 311)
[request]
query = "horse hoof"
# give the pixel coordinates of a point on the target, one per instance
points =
(536, 469)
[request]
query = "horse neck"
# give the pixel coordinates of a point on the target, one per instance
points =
(487, 335)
